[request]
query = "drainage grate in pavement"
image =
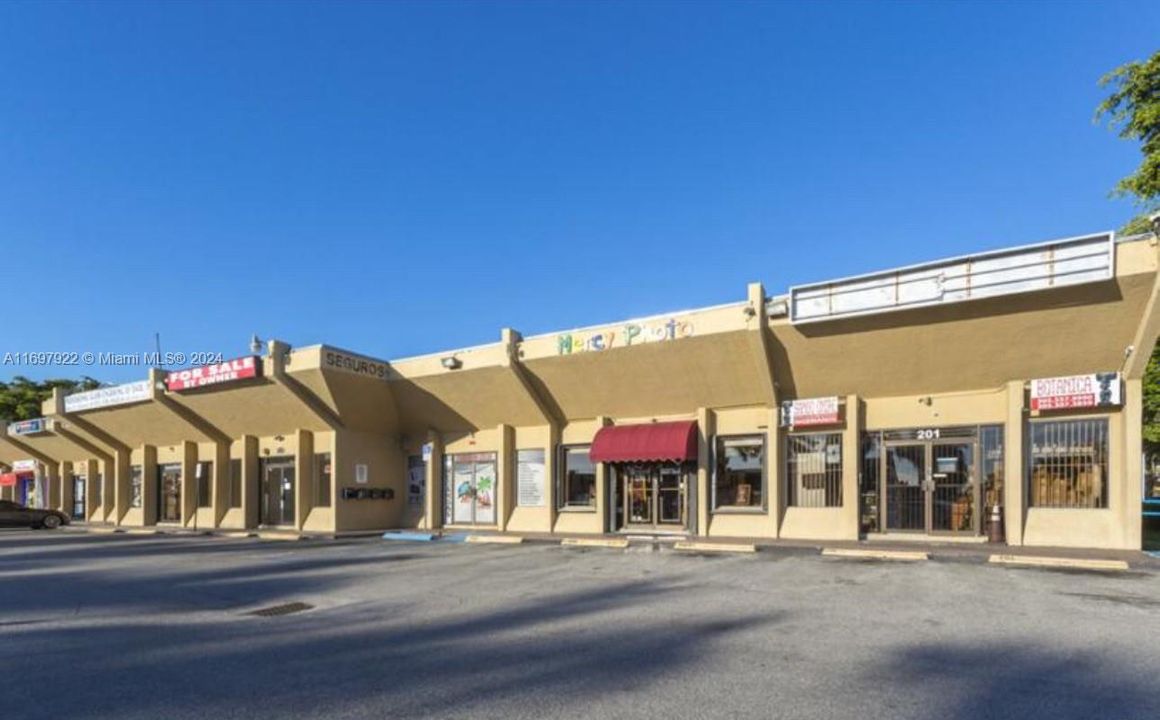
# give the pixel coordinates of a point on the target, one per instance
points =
(284, 609)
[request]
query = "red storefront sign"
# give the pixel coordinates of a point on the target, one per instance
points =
(229, 371)
(7, 479)
(1075, 391)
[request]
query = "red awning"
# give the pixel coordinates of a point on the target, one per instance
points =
(665, 442)
(7, 479)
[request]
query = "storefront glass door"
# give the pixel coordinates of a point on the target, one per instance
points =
(169, 493)
(277, 506)
(952, 492)
(78, 508)
(653, 496)
(905, 487)
(473, 482)
(930, 487)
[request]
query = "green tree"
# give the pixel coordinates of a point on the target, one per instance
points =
(1133, 109)
(21, 398)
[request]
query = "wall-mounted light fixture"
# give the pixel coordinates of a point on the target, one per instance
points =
(451, 362)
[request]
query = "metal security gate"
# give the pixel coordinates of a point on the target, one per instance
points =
(929, 481)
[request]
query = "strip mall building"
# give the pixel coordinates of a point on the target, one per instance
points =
(906, 402)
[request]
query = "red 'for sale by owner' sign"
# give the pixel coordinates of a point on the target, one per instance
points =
(228, 371)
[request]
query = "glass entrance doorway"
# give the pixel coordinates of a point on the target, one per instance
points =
(78, 488)
(652, 497)
(277, 492)
(930, 486)
(169, 493)
(472, 489)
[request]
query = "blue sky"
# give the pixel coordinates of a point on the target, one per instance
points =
(404, 178)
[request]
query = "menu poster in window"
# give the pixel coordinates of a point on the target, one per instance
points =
(530, 478)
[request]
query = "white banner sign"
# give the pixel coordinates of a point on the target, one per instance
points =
(1076, 391)
(530, 478)
(24, 465)
(107, 396)
(810, 411)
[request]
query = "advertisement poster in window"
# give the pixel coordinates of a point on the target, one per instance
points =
(464, 488)
(530, 478)
(416, 480)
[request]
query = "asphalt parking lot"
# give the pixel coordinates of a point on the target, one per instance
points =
(121, 626)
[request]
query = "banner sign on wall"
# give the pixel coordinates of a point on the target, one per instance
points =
(810, 411)
(530, 478)
(1076, 391)
(107, 396)
(241, 368)
(24, 465)
(28, 427)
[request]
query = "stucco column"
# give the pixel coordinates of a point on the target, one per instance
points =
(775, 498)
(602, 510)
(550, 462)
(432, 495)
(1014, 497)
(221, 482)
(108, 473)
(304, 478)
(250, 481)
(63, 485)
(92, 507)
(122, 462)
(706, 421)
(1132, 497)
(149, 485)
(851, 464)
(188, 481)
(505, 465)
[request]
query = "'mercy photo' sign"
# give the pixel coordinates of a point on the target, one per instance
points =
(1076, 391)
(810, 411)
(241, 368)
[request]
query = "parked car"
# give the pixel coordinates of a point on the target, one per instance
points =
(16, 515)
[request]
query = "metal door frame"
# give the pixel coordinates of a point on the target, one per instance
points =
(281, 464)
(928, 489)
(450, 473)
(161, 492)
(622, 472)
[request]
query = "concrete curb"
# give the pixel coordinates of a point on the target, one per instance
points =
(900, 555)
(595, 542)
(692, 546)
(495, 539)
(1059, 562)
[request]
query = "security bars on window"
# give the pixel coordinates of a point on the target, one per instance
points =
(1068, 464)
(814, 464)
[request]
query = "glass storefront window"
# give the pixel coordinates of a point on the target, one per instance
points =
(868, 481)
(739, 477)
(235, 483)
(578, 478)
(322, 475)
(991, 447)
(814, 465)
(1068, 463)
(135, 486)
(204, 484)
